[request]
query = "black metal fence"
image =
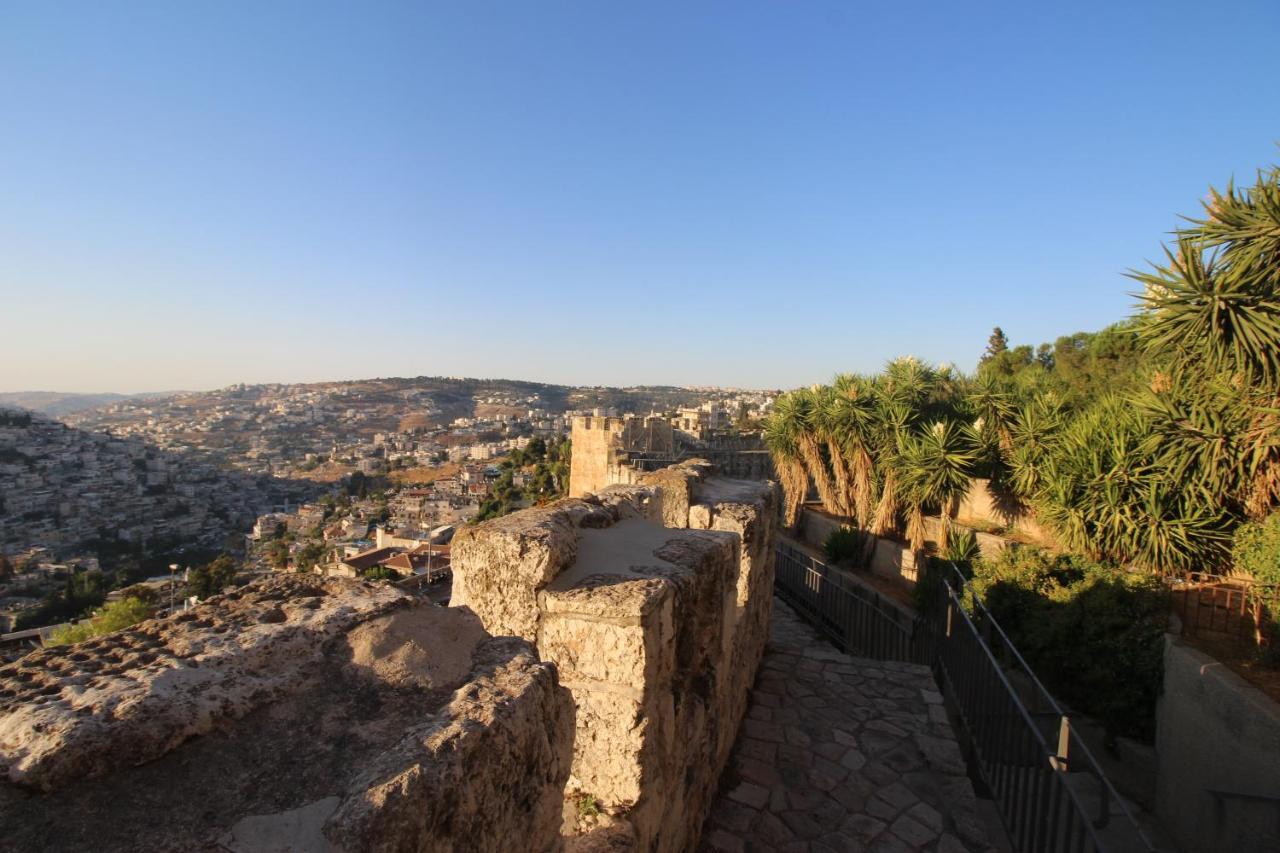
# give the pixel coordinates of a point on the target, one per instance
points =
(1050, 791)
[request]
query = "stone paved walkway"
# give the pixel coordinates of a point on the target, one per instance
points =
(842, 754)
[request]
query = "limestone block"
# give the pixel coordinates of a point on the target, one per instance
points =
(334, 714)
(488, 769)
(128, 697)
(610, 629)
(499, 566)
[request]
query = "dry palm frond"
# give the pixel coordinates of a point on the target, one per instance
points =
(840, 493)
(863, 492)
(885, 519)
(915, 527)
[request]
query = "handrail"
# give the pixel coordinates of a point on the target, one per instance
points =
(1055, 760)
(1045, 694)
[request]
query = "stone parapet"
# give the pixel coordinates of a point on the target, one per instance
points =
(653, 601)
(294, 713)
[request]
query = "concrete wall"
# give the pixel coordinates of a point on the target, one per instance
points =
(654, 601)
(982, 505)
(1214, 732)
(891, 558)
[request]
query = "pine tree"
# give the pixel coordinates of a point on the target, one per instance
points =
(996, 345)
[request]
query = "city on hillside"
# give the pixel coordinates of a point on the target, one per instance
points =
(358, 479)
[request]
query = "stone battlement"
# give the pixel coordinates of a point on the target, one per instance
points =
(583, 691)
(653, 602)
(314, 713)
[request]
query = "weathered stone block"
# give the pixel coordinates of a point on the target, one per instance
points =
(331, 714)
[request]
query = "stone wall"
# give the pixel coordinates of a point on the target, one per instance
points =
(653, 600)
(1217, 742)
(295, 713)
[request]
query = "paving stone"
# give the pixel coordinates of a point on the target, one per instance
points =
(886, 727)
(942, 754)
(750, 794)
(926, 815)
(887, 842)
(839, 753)
(769, 829)
(757, 749)
(881, 809)
(912, 831)
(761, 730)
(725, 842)
(802, 823)
(829, 750)
(853, 760)
(899, 795)
(758, 772)
(732, 817)
(863, 827)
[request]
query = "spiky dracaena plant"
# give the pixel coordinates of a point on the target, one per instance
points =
(1211, 322)
(1033, 433)
(1105, 494)
(936, 469)
(827, 428)
(853, 419)
(810, 442)
(892, 421)
(781, 428)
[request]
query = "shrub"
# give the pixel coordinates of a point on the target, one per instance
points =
(1256, 549)
(962, 550)
(844, 543)
(1094, 634)
(113, 617)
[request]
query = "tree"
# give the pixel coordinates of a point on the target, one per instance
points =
(997, 344)
(310, 554)
(213, 577)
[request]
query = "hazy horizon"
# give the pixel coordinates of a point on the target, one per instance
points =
(749, 195)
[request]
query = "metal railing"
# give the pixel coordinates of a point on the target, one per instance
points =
(857, 620)
(1049, 789)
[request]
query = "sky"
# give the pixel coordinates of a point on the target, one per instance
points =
(754, 194)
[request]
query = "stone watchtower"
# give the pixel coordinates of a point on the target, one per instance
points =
(601, 445)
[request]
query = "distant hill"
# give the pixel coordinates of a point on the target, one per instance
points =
(57, 403)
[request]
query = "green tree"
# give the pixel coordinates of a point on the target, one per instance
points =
(213, 577)
(997, 345)
(311, 553)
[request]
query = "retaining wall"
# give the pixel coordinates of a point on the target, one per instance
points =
(1218, 753)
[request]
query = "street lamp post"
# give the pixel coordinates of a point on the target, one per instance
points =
(173, 584)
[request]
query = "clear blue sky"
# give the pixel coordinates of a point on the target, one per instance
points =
(755, 194)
